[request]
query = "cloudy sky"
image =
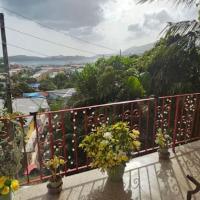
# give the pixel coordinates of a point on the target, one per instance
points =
(116, 24)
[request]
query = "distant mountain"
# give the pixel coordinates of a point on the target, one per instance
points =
(52, 60)
(66, 60)
(138, 50)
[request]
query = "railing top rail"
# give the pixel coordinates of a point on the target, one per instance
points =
(103, 105)
(117, 103)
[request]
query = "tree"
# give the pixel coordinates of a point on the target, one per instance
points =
(57, 104)
(187, 29)
(62, 81)
(175, 69)
(106, 81)
(86, 81)
(19, 88)
(46, 85)
(107, 85)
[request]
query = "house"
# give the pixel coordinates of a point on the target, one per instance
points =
(35, 86)
(42, 74)
(35, 95)
(25, 106)
(62, 93)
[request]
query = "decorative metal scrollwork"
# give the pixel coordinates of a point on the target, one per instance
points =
(186, 117)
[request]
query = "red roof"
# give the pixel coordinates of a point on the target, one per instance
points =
(31, 167)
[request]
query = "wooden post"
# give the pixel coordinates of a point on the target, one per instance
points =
(8, 100)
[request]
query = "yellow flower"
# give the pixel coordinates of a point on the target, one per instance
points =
(15, 185)
(136, 132)
(124, 158)
(136, 144)
(5, 190)
(62, 162)
(2, 181)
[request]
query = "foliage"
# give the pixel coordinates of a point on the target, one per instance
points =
(10, 152)
(86, 81)
(57, 104)
(19, 88)
(54, 166)
(46, 85)
(10, 145)
(162, 139)
(135, 87)
(8, 185)
(106, 81)
(62, 81)
(177, 2)
(109, 145)
(174, 69)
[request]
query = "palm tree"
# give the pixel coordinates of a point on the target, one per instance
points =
(187, 29)
(177, 2)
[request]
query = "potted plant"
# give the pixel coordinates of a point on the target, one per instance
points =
(109, 148)
(7, 187)
(11, 145)
(163, 141)
(55, 181)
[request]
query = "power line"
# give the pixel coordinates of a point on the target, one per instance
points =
(28, 50)
(49, 41)
(52, 28)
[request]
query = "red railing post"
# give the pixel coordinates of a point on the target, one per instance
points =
(64, 140)
(51, 135)
(74, 148)
(175, 123)
(155, 120)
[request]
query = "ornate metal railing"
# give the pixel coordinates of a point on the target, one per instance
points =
(60, 132)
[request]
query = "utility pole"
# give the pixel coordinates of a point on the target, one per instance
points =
(120, 52)
(8, 100)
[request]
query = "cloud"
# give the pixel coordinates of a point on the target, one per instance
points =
(136, 31)
(61, 14)
(134, 28)
(154, 20)
(86, 33)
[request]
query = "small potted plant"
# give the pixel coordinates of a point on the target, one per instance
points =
(109, 147)
(163, 140)
(55, 181)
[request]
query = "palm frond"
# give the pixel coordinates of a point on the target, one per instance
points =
(182, 28)
(188, 30)
(176, 2)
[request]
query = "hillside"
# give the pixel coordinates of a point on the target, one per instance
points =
(138, 50)
(52, 60)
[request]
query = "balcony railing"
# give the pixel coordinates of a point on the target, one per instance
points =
(60, 132)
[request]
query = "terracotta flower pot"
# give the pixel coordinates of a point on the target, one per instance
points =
(116, 173)
(55, 186)
(163, 154)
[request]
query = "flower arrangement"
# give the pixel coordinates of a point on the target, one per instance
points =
(53, 165)
(8, 185)
(162, 139)
(55, 182)
(108, 145)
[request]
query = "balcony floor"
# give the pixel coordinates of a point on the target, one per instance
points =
(145, 178)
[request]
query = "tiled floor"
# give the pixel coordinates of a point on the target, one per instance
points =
(145, 178)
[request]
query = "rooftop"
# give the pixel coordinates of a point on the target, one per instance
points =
(63, 92)
(27, 105)
(145, 178)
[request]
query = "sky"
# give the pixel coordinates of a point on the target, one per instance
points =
(114, 24)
